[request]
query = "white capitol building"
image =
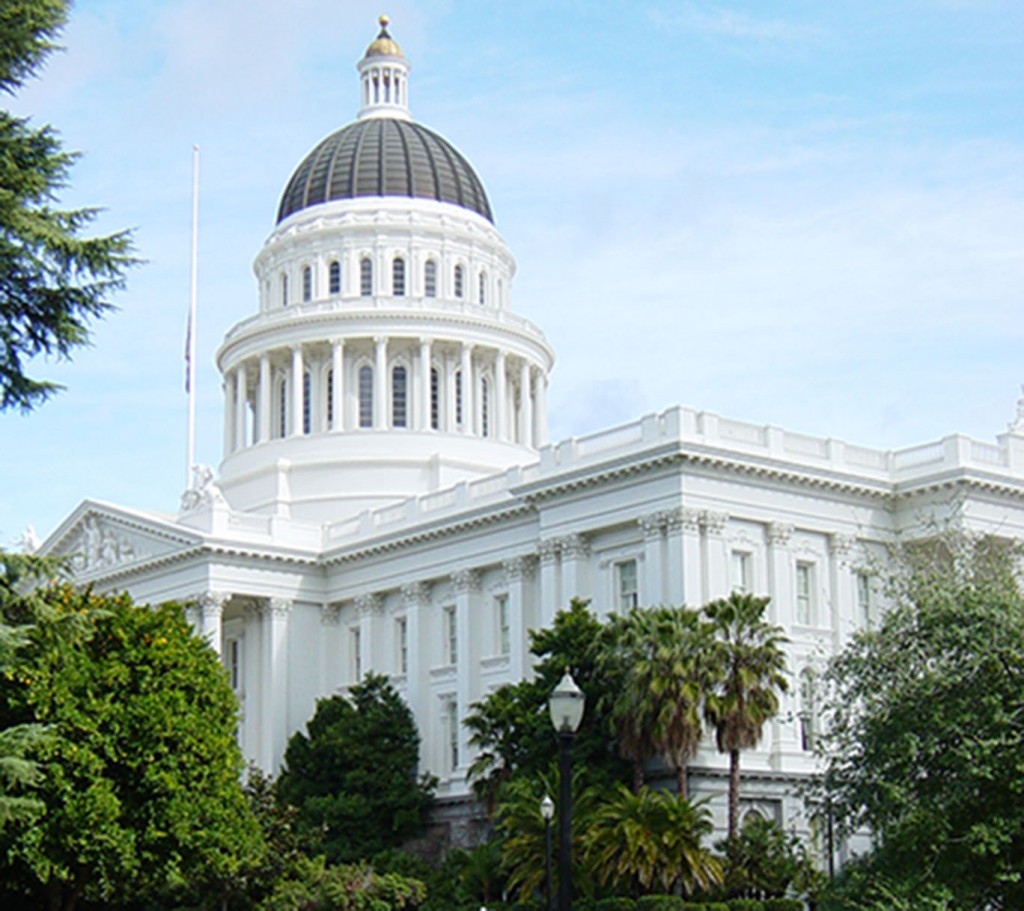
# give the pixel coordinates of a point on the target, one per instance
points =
(388, 499)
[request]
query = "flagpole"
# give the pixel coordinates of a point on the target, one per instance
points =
(190, 341)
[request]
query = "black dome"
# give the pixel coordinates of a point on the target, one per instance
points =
(384, 157)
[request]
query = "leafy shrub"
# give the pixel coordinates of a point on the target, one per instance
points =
(660, 903)
(783, 904)
(615, 903)
(746, 904)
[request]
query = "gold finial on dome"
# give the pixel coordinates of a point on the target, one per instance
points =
(384, 45)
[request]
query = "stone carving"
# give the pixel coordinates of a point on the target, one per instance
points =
(651, 525)
(518, 568)
(204, 490)
(414, 593)
(574, 547)
(99, 546)
(368, 603)
(211, 605)
(278, 608)
(465, 581)
(29, 541)
(713, 523)
(691, 519)
(842, 544)
(330, 614)
(1017, 424)
(779, 533)
(549, 551)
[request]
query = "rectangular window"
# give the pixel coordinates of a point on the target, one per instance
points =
(864, 596)
(626, 585)
(398, 397)
(335, 277)
(740, 572)
(307, 283)
(234, 663)
(451, 711)
(435, 399)
(402, 639)
(504, 632)
(451, 636)
(805, 593)
(357, 657)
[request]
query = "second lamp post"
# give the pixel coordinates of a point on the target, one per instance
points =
(566, 707)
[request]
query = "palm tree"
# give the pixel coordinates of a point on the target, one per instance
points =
(651, 838)
(750, 674)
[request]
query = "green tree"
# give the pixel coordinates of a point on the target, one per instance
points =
(763, 861)
(651, 840)
(315, 885)
(139, 768)
(926, 727)
(511, 727)
(353, 776)
(53, 281)
(749, 674)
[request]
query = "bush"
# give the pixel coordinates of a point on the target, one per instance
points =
(783, 904)
(660, 903)
(615, 903)
(746, 904)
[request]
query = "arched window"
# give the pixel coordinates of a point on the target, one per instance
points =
(458, 398)
(435, 400)
(430, 278)
(334, 277)
(398, 277)
(485, 426)
(282, 409)
(399, 413)
(284, 290)
(329, 399)
(366, 396)
(458, 281)
(366, 276)
(307, 402)
(483, 288)
(307, 283)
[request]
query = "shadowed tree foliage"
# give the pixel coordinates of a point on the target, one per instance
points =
(748, 676)
(53, 280)
(353, 776)
(926, 728)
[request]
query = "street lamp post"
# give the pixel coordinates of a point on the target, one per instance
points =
(547, 811)
(566, 707)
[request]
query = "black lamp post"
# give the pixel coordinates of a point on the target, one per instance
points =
(547, 811)
(566, 707)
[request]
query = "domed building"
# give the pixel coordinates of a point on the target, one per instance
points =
(388, 499)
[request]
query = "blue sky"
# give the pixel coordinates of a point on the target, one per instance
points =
(806, 214)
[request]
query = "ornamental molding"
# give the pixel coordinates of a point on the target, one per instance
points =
(330, 614)
(518, 569)
(651, 525)
(211, 604)
(713, 523)
(842, 544)
(368, 603)
(465, 581)
(278, 608)
(574, 547)
(779, 533)
(548, 550)
(97, 544)
(415, 594)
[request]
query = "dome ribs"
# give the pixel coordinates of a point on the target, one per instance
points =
(384, 157)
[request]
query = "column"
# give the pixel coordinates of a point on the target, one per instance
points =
(540, 412)
(230, 385)
(337, 390)
(550, 595)
(330, 647)
(422, 415)
(518, 572)
(297, 386)
(674, 556)
(211, 614)
(416, 598)
(263, 413)
(782, 607)
(715, 563)
(274, 723)
(465, 584)
(241, 403)
(367, 607)
(575, 554)
(525, 405)
(468, 412)
(380, 383)
(841, 589)
(500, 394)
(693, 581)
(448, 415)
(653, 591)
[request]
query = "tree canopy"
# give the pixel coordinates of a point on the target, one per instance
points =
(927, 728)
(53, 280)
(353, 776)
(139, 769)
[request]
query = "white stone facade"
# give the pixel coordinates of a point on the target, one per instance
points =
(416, 522)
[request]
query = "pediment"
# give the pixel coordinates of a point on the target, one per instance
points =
(99, 539)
